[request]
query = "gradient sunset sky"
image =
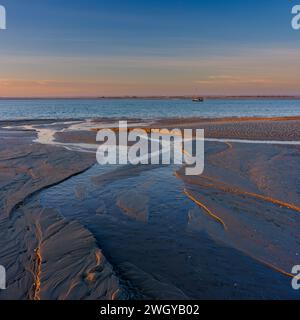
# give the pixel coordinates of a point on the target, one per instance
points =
(154, 47)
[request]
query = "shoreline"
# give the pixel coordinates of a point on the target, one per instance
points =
(81, 134)
(159, 120)
(254, 129)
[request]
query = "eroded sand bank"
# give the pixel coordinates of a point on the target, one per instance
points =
(46, 256)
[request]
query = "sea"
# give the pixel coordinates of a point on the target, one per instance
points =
(145, 108)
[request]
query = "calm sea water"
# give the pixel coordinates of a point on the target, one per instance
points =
(144, 109)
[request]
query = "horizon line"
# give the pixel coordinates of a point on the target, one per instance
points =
(183, 97)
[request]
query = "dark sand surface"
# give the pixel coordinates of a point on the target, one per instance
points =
(280, 129)
(46, 257)
(74, 230)
(244, 128)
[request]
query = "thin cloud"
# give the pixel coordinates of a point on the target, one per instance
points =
(233, 80)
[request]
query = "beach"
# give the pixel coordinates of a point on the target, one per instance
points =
(72, 229)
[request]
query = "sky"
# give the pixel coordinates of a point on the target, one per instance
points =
(154, 47)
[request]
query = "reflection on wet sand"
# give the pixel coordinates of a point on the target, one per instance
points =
(256, 227)
(205, 208)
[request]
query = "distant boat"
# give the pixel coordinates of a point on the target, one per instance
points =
(198, 100)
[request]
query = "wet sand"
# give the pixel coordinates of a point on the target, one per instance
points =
(73, 230)
(280, 129)
(46, 256)
(245, 128)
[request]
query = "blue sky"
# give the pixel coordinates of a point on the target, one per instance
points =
(95, 47)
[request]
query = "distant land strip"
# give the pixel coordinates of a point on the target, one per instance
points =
(184, 97)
